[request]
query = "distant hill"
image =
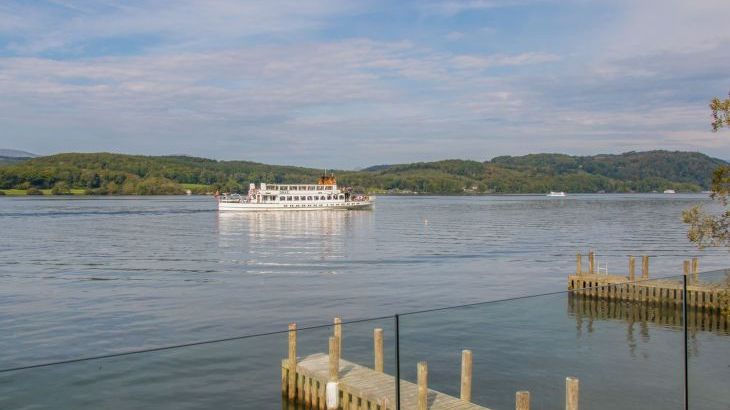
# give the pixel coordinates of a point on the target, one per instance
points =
(13, 156)
(105, 173)
(14, 153)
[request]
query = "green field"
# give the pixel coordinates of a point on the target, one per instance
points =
(22, 192)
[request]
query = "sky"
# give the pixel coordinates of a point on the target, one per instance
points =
(348, 84)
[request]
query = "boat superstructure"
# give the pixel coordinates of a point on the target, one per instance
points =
(323, 195)
(557, 193)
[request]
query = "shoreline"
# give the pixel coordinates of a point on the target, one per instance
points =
(17, 193)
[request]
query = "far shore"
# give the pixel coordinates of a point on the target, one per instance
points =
(77, 192)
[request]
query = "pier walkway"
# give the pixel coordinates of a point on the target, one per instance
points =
(363, 388)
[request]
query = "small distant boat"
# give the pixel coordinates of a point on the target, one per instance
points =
(669, 191)
(558, 194)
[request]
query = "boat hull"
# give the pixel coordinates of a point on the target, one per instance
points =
(334, 206)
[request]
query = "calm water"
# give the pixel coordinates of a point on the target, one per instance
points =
(83, 277)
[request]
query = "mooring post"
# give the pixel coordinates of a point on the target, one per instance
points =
(644, 267)
(338, 335)
(332, 389)
(378, 349)
(695, 265)
(632, 268)
(685, 270)
(591, 263)
(292, 362)
(466, 366)
(579, 264)
(422, 386)
(571, 393)
(522, 400)
(334, 359)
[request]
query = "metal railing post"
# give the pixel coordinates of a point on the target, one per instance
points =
(397, 363)
(684, 328)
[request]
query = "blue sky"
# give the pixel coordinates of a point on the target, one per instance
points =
(348, 84)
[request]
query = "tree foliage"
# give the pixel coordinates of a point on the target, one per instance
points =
(118, 174)
(720, 113)
(705, 227)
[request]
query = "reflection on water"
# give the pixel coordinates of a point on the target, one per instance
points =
(292, 236)
(589, 311)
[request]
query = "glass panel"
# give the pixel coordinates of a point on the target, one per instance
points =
(709, 340)
(625, 353)
(246, 373)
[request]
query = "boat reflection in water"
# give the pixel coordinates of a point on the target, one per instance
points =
(294, 239)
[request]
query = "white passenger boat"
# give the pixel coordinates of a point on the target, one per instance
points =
(554, 193)
(295, 197)
(670, 191)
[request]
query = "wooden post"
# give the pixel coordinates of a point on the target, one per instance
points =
(695, 265)
(571, 393)
(292, 362)
(422, 386)
(378, 349)
(579, 264)
(591, 263)
(685, 269)
(338, 335)
(334, 359)
(632, 269)
(522, 400)
(466, 366)
(644, 267)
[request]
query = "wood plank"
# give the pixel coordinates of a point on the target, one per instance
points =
(364, 385)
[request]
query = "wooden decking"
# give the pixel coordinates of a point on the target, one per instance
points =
(593, 283)
(612, 287)
(361, 387)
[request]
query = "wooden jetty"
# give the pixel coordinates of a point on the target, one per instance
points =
(326, 381)
(594, 283)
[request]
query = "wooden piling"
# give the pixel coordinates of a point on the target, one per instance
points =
(571, 393)
(378, 349)
(579, 264)
(466, 372)
(338, 335)
(632, 268)
(422, 386)
(591, 263)
(685, 269)
(334, 359)
(292, 385)
(644, 267)
(522, 400)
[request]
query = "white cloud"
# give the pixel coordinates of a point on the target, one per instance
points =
(211, 87)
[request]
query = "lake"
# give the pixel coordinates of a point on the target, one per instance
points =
(91, 276)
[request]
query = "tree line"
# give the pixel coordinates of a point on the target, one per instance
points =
(120, 174)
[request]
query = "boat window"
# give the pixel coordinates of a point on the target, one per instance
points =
(309, 198)
(296, 198)
(342, 197)
(329, 196)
